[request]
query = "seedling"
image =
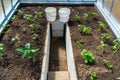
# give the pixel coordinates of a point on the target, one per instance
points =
(95, 14)
(80, 27)
(27, 16)
(101, 26)
(85, 16)
(76, 17)
(87, 30)
(116, 45)
(14, 18)
(20, 12)
(34, 36)
(84, 29)
(16, 39)
(108, 64)
(34, 25)
(38, 15)
(24, 29)
(1, 49)
(101, 47)
(106, 36)
(93, 75)
(80, 44)
(28, 51)
(117, 78)
(88, 56)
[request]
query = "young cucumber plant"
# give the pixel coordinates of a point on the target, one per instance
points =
(1, 49)
(28, 51)
(92, 75)
(80, 44)
(101, 47)
(108, 64)
(95, 14)
(106, 36)
(76, 17)
(116, 45)
(38, 15)
(84, 29)
(88, 56)
(101, 26)
(34, 36)
(27, 16)
(85, 16)
(16, 39)
(34, 25)
(20, 12)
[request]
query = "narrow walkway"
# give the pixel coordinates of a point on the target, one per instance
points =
(57, 59)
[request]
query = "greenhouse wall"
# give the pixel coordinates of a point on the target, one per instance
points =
(7, 7)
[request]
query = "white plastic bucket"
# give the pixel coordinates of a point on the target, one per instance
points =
(64, 14)
(50, 13)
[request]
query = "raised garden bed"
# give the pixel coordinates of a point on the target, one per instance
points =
(106, 62)
(28, 25)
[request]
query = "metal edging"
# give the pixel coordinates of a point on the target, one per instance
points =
(8, 15)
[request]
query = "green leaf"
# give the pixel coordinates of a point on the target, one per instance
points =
(24, 54)
(27, 45)
(20, 49)
(118, 78)
(34, 49)
(31, 55)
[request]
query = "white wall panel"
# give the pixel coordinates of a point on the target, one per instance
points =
(1, 13)
(7, 4)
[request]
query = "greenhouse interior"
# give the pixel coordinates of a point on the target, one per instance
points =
(59, 40)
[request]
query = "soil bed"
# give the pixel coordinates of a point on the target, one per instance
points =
(12, 66)
(90, 43)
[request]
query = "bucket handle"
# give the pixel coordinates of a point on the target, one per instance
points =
(51, 15)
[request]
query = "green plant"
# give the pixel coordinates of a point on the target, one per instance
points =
(28, 51)
(117, 78)
(76, 17)
(106, 36)
(27, 16)
(1, 49)
(34, 36)
(93, 75)
(14, 18)
(87, 30)
(116, 45)
(101, 26)
(108, 64)
(24, 29)
(95, 14)
(84, 29)
(88, 56)
(85, 16)
(101, 47)
(34, 25)
(16, 39)
(38, 15)
(80, 27)
(79, 43)
(20, 12)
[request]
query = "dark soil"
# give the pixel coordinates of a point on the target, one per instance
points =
(12, 66)
(90, 43)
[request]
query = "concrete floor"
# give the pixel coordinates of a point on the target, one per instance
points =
(57, 60)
